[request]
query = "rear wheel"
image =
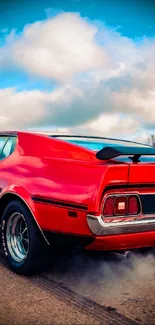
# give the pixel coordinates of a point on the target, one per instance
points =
(20, 238)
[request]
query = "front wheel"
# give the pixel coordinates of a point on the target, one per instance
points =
(20, 238)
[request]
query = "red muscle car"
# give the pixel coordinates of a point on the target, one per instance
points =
(66, 189)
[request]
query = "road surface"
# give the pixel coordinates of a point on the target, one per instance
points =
(80, 288)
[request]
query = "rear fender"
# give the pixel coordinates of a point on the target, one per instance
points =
(20, 192)
(113, 175)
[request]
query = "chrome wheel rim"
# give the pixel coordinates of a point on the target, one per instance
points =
(17, 237)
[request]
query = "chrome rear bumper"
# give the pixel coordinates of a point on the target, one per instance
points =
(100, 228)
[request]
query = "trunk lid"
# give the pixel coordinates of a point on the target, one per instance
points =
(142, 173)
(141, 161)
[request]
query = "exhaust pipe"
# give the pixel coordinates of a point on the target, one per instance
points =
(123, 254)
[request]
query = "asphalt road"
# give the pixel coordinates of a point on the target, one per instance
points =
(80, 288)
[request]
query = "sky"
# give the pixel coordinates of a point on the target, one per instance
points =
(79, 66)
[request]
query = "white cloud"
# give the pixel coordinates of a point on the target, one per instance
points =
(142, 137)
(107, 123)
(66, 109)
(105, 82)
(56, 48)
(110, 125)
(20, 109)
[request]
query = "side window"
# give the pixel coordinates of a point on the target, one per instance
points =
(8, 148)
(3, 141)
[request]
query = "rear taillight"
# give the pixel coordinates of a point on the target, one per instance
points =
(121, 205)
(108, 209)
(133, 205)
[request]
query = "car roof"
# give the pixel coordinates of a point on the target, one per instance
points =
(67, 135)
(8, 133)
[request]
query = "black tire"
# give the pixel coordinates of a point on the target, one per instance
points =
(29, 264)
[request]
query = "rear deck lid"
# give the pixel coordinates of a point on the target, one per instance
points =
(141, 160)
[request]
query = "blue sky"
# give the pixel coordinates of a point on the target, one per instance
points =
(136, 18)
(124, 30)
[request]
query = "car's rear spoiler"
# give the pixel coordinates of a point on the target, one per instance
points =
(135, 152)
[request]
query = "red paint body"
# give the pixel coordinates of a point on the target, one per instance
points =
(75, 180)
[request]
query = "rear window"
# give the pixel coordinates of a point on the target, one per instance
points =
(97, 143)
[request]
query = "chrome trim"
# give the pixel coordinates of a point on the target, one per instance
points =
(15, 194)
(100, 228)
